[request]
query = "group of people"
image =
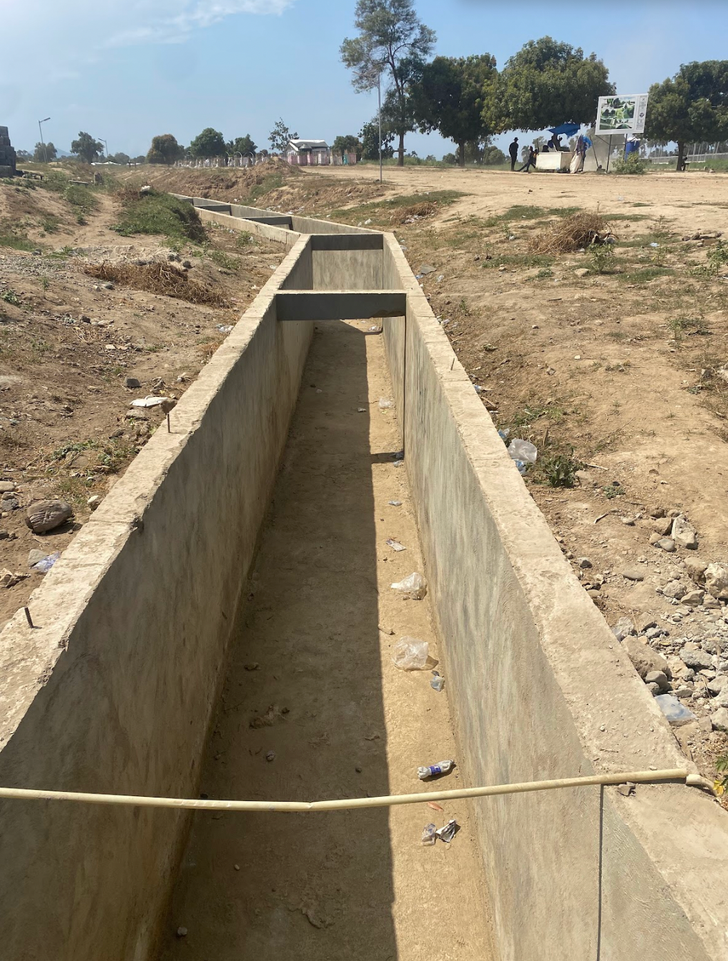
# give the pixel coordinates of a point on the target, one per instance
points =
(577, 163)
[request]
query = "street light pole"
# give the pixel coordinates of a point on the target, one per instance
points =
(42, 142)
(379, 103)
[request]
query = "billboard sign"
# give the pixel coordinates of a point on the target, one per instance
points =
(621, 114)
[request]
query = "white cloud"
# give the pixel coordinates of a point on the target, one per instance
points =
(167, 23)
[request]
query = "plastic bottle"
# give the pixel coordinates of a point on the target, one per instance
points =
(433, 770)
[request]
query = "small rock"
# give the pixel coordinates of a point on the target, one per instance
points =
(684, 691)
(674, 589)
(627, 521)
(716, 580)
(711, 604)
(665, 544)
(633, 574)
(684, 534)
(627, 789)
(662, 526)
(34, 556)
(254, 666)
(644, 622)
(623, 628)
(270, 756)
(644, 658)
(698, 660)
(654, 689)
(719, 720)
(717, 685)
(427, 269)
(46, 515)
(181, 932)
(187, 264)
(7, 487)
(695, 568)
(132, 382)
(581, 272)
(693, 598)
(584, 563)
(108, 286)
(9, 503)
(658, 512)
(659, 678)
(720, 700)
(93, 501)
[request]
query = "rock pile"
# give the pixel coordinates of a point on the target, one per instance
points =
(8, 159)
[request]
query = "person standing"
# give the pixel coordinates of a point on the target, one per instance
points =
(513, 151)
(531, 162)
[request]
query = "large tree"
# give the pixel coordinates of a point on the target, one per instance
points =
(392, 41)
(242, 145)
(347, 144)
(86, 147)
(690, 107)
(45, 152)
(279, 136)
(209, 143)
(369, 136)
(547, 83)
(449, 97)
(164, 150)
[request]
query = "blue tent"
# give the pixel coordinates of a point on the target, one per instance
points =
(567, 129)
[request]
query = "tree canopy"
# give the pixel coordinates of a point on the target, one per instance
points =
(164, 150)
(242, 145)
(347, 144)
(209, 143)
(369, 136)
(392, 41)
(280, 135)
(86, 147)
(544, 84)
(691, 106)
(449, 97)
(44, 153)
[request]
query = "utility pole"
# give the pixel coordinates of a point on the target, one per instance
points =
(42, 142)
(379, 103)
(106, 147)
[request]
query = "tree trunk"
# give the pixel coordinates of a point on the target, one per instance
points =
(680, 157)
(400, 151)
(461, 153)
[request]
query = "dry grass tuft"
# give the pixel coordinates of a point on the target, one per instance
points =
(157, 278)
(574, 233)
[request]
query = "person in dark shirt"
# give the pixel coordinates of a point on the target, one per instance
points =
(531, 162)
(513, 151)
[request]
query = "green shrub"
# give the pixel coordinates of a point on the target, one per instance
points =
(159, 213)
(560, 469)
(632, 165)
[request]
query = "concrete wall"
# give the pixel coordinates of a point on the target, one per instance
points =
(541, 689)
(114, 689)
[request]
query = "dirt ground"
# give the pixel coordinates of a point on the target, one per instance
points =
(313, 707)
(618, 370)
(68, 341)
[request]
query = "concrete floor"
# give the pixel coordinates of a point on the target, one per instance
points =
(311, 662)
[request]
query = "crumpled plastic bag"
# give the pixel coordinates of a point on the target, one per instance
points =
(414, 586)
(410, 654)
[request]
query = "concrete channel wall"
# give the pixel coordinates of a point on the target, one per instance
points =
(540, 689)
(114, 691)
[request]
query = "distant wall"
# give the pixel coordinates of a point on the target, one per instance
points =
(114, 690)
(540, 689)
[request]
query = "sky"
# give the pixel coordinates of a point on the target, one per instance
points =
(125, 70)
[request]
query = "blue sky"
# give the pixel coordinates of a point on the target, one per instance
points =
(125, 70)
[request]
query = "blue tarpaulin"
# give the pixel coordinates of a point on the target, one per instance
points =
(567, 129)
